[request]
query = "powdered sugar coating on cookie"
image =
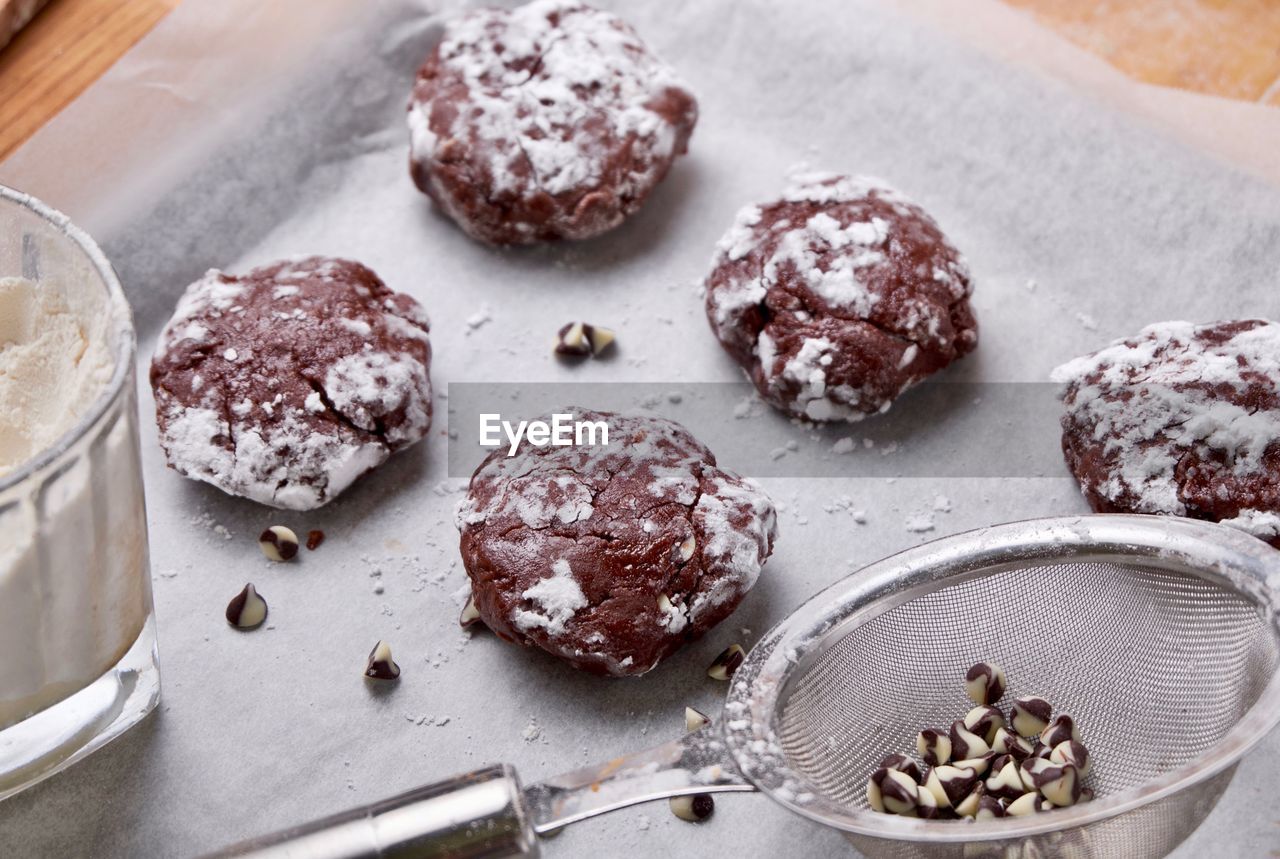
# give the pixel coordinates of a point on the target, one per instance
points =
(552, 120)
(1181, 419)
(612, 557)
(839, 296)
(286, 384)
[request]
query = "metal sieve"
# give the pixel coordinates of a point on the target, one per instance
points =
(1158, 634)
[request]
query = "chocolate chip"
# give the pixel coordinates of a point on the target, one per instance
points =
(1006, 783)
(695, 808)
(578, 340)
(965, 743)
(695, 720)
(1060, 730)
(934, 747)
(893, 792)
(1007, 742)
(314, 539)
(968, 807)
(989, 808)
(1030, 715)
(979, 765)
(247, 609)
(278, 543)
(903, 764)
(1060, 785)
(470, 615)
(1074, 753)
(1028, 803)
(950, 784)
(380, 665)
(984, 683)
(984, 721)
(727, 663)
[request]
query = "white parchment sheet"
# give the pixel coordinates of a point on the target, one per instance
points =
(240, 131)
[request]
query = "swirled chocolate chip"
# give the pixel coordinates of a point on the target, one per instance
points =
(965, 743)
(903, 764)
(1007, 742)
(968, 807)
(278, 543)
(979, 764)
(696, 720)
(470, 615)
(729, 661)
(1074, 753)
(950, 784)
(1006, 782)
(1060, 785)
(893, 792)
(984, 721)
(1030, 715)
(580, 340)
(934, 747)
(1060, 730)
(984, 683)
(1027, 804)
(989, 808)
(247, 609)
(380, 665)
(694, 808)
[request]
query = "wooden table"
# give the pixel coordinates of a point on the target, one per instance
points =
(1223, 47)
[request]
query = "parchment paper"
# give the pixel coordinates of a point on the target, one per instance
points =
(241, 131)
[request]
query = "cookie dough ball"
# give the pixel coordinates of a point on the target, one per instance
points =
(286, 384)
(550, 121)
(612, 557)
(1181, 419)
(838, 297)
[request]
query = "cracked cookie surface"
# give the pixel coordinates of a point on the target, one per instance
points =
(287, 383)
(550, 121)
(612, 557)
(838, 297)
(1180, 419)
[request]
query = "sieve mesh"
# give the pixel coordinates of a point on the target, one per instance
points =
(1155, 666)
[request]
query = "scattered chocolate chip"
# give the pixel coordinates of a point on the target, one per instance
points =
(695, 720)
(695, 808)
(934, 747)
(314, 538)
(278, 543)
(727, 663)
(247, 609)
(984, 683)
(903, 764)
(984, 721)
(470, 615)
(579, 340)
(381, 666)
(965, 743)
(1030, 715)
(1060, 730)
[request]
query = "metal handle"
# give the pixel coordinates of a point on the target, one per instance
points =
(480, 815)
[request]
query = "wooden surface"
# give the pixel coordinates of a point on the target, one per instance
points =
(1222, 47)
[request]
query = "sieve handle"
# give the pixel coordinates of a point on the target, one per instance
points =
(485, 814)
(695, 763)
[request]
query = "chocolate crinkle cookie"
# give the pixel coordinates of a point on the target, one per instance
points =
(1181, 419)
(286, 384)
(611, 557)
(838, 297)
(549, 121)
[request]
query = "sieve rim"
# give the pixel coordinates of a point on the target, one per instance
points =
(759, 692)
